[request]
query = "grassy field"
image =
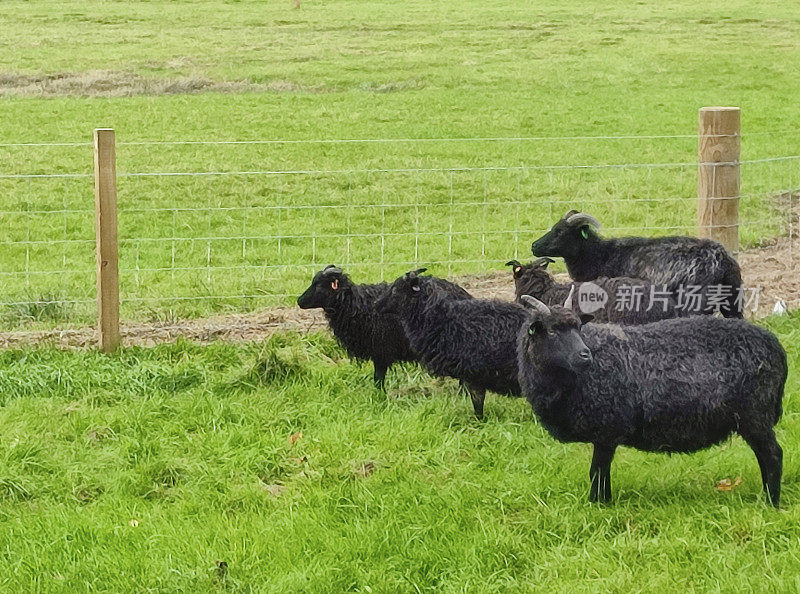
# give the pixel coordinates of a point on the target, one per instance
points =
(167, 71)
(276, 466)
(141, 471)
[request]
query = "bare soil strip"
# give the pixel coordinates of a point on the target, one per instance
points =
(111, 83)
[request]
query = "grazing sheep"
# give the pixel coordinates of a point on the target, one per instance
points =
(362, 331)
(679, 263)
(471, 340)
(671, 386)
(630, 300)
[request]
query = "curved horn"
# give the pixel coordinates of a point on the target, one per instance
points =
(568, 301)
(570, 213)
(513, 263)
(416, 272)
(542, 262)
(534, 303)
(581, 218)
(332, 269)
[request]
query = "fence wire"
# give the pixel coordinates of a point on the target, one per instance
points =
(203, 241)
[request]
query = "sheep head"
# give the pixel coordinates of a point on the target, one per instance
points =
(325, 290)
(551, 338)
(568, 237)
(402, 294)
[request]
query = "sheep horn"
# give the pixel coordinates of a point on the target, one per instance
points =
(542, 262)
(581, 218)
(331, 269)
(568, 300)
(534, 303)
(415, 273)
(513, 263)
(570, 213)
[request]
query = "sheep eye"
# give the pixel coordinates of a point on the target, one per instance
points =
(531, 330)
(584, 233)
(551, 333)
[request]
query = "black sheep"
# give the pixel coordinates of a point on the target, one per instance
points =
(362, 331)
(671, 386)
(629, 300)
(471, 340)
(684, 264)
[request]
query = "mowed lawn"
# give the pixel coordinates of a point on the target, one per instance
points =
(208, 71)
(148, 470)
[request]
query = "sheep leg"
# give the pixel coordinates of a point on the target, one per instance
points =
(600, 473)
(380, 373)
(770, 460)
(478, 395)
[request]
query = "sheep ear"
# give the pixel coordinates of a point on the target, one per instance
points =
(517, 267)
(413, 278)
(534, 304)
(543, 262)
(586, 318)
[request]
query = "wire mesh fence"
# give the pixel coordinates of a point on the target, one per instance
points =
(235, 226)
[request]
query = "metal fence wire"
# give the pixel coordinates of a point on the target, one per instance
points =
(206, 228)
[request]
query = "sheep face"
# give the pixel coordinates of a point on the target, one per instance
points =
(325, 290)
(552, 338)
(403, 294)
(568, 237)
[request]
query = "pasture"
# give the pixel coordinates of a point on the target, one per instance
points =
(275, 465)
(139, 472)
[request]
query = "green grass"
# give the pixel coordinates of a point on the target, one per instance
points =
(368, 70)
(172, 469)
(138, 472)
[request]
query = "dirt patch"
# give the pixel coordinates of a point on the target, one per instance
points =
(108, 83)
(233, 328)
(776, 270)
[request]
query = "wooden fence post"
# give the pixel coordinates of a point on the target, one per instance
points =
(105, 204)
(718, 149)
